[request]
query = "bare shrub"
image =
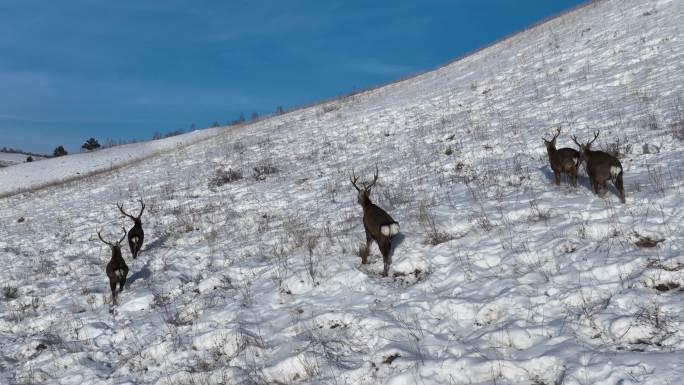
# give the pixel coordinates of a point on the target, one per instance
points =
(618, 148)
(295, 230)
(333, 187)
(582, 229)
(187, 218)
(238, 147)
(657, 178)
(262, 170)
(538, 214)
(311, 260)
(172, 314)
(655, 317)
(10, 292)
(415, 334)
(677, 129)
(482, 220)
(311, 366)
(676, 126)
(434, 235)
(330, 107)
(394, 197)
(650, 121)
(334, 347)
(222, 177)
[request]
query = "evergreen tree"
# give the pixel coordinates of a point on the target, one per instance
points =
(91, 144)
(60, 151)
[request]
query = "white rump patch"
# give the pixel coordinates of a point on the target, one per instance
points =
(615, 171)
(390, 230)
(576, 160)
(119, 273)
(135, 239)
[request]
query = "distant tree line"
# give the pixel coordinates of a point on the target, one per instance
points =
(92, 144)
(10, 150)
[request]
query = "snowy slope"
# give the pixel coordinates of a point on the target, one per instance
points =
(29, 176)
(499, 276)
(10, 159)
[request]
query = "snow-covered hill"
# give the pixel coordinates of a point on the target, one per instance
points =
(250, 273)
(10, 158)
(29, 177)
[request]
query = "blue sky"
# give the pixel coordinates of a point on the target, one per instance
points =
(126, 69)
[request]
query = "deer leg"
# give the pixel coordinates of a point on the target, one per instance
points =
(594, 185)
(619, 184)
(364, 253)
(122, 283)
(556, 175)
(385, 246)
(369, 239)
(132, 245)
(605, 187)
(112, 285)
(573, 176)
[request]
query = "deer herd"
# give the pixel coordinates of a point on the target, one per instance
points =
(117, 270)
(378, 225)
(601, 166)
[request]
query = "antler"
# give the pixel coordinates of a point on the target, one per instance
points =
(596, 135)
(120, 206)
(124, 235)
(353, 178)
(100, 236)
(375, 178)
(574, 139)
(142, 207)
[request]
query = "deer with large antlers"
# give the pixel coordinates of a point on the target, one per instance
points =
(601, 166)
(562, 160)
(379, 225)
(136, 235)
(117, 270)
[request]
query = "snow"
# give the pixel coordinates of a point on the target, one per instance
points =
(498, 276)
(9, 159)
(29, 176)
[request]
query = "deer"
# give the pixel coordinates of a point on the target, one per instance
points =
(136, 235)
(562, 160)
(117, 270)
(601, 166)
(379, 226)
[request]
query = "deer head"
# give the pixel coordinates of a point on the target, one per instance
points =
(113, 245)
(365, 190)
(585, 148)
(137, 218)
(552, 143)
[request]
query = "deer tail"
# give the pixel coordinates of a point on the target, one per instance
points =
(616, 172)
(390, 230)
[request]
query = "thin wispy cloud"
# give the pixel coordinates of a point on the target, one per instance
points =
(373, 66)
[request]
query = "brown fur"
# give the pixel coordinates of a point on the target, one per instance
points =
(136, 235)
(599, 166)
(117, 270)
(563, 160)
(373, 219)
